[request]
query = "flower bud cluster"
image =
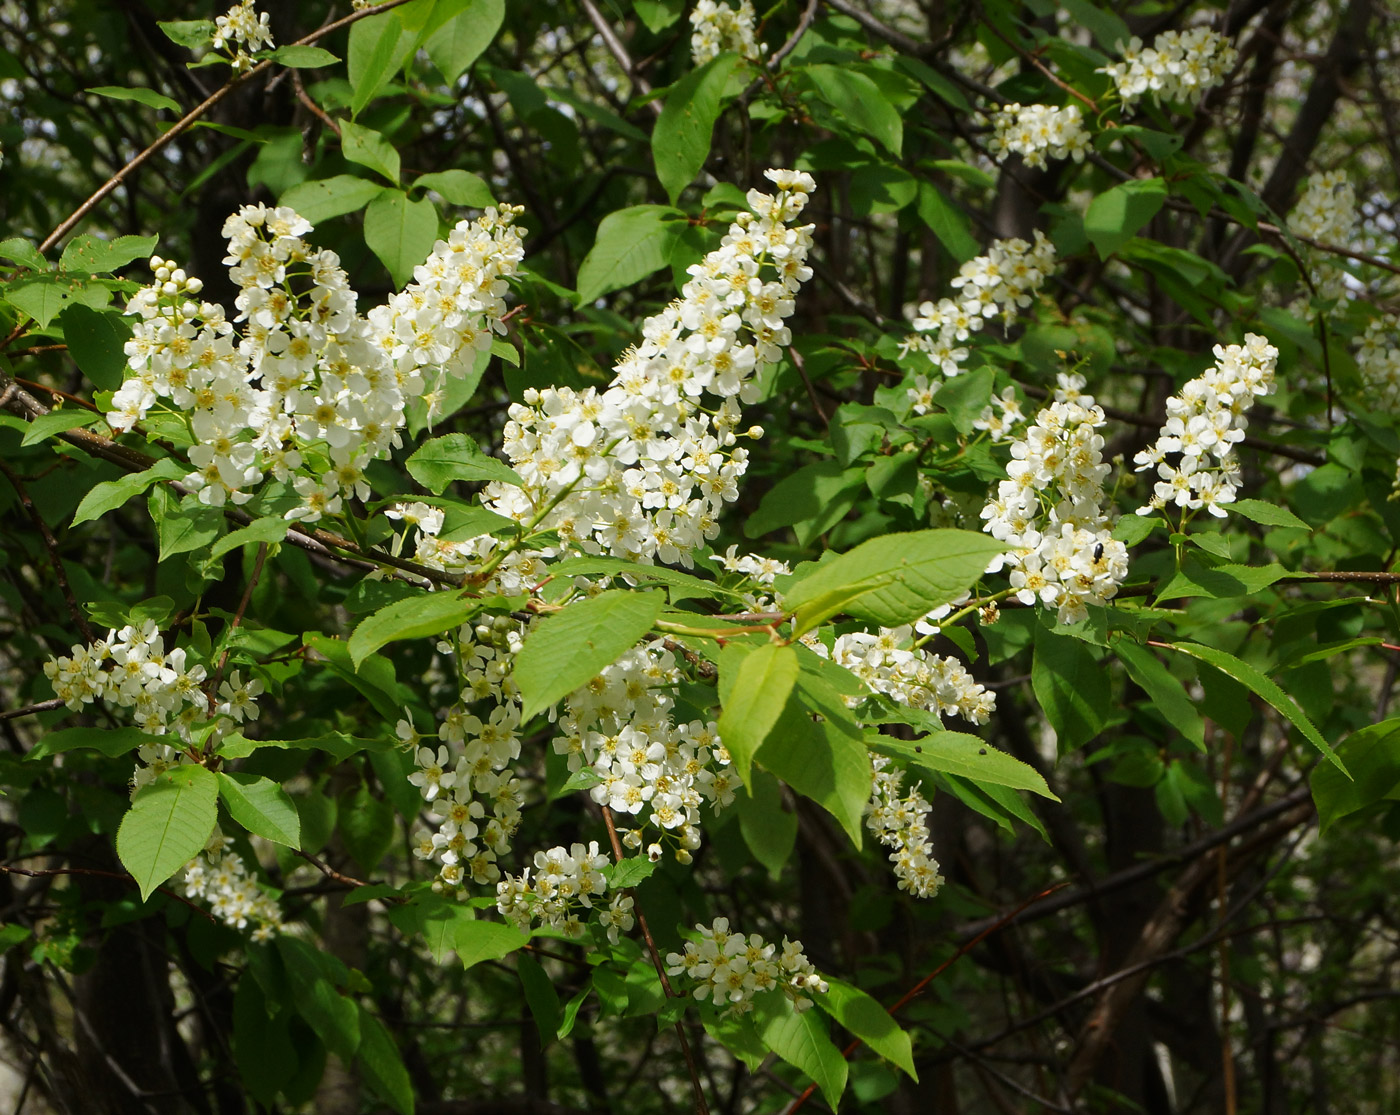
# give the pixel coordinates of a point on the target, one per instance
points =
(718, 28)
(1178, 66)
(562, 882)
(1035, 131)
(889, 663)
(897, 821)
(311, 391)
(1204, 423)
(240, 33)
(218, 876)
(1050, 509)
(992, 286)
(729, 969)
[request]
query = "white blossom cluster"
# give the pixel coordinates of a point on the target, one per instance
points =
(761, 571)
(1178, 66)
(889, 663)
(729, 968)
(718, 28)
(218, 876)
(1203, 425)
(996, 285)
(1327, 213)
(897, 821)
(1050, 509)
(562, 882)
(621, 726)
(1001, 417)
(240, 33)
(312, 390)
(467, 780)
(1037, 131)
(1378, 361)
(643, 469)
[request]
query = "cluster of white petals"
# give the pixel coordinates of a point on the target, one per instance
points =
(994, 286)
(1037, 131)
(311, 391)
(719, 27)
(1326, 212)
(1203, 425)
(1378, 361)
(729, 968)
(218, 876)
(240, 33)
(1050, 510)
(1001, 417)
(1178, 66)
(890, 663)
(897, 821)
(562, 881)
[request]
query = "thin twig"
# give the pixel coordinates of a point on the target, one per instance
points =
(619, 52)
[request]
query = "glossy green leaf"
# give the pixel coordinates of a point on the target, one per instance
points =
(1071, 686)
(1164, 690)
(320, 199)
(148, 97)
(754, 687)
(680, 141)
(91, 255)
(168, 824)
(381, 1064)
(1115, 216)
(801, 1039)
(95, 341)
(1372, 758)
(304, 57)
(966, 756)
(460, 41)
(478, 941)
(457, 187)
(1267, 514)
(379, 47)
(261, 806)
(401, 232)
(768, 825)
(106, 741)
(417, 617)
(369, 149)
(439, 462)
(540, 996)
(859, 104)
(111, 494)
(868, 1020)
(631, 244)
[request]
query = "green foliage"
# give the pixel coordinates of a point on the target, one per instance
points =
(168, 825)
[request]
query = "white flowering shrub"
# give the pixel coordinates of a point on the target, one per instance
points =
(599, 557)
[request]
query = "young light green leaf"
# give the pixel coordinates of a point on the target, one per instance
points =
(859, 103)
(630, 245)
(21, 251)
(1220, 582)
(800, 1038)
(868, 1020)
(379, 47)
(461, 40)
(680, 141)
(299, 57)
(457, 187)
(261, 806)
(1267, 514)
(270, 528)
(401, 232)
(148, 97)
(1116, 215)
(417, 617)
(1266, 688)
(967, 756)
(891, 580)
(323, 198)
(566, 650)
(479, 940)
(107, 741)
(439, 462)
(368, 148)
(193, 34)
(57, 422)
(754, 687)
(111, 494)
(92, 255)
(168, 824)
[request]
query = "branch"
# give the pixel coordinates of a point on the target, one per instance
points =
(619, 52)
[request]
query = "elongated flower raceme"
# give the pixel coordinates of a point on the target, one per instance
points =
(1035, 131)
(1178, 66)
(719, 27)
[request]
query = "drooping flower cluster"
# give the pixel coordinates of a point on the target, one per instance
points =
(1326, 212)
(1001, 416)
(1178, 66)
(889, 663)
(1204, 423)
(729, 969)
(218, 876)
(1378, 361)
(621, 727)
(240, 33)
(562, 882)
(992, 286)
(1050, 509)
(1037, 131)
(719, 27)
(897, 821)
(312, 391)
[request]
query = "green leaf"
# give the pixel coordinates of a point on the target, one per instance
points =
(366, 825)
(300, 57)
(461, 40)
(658, 14)
(603, 565)
(1372, 756)
(1109, 31)
(1071, 686)
(859, 103)
(1265, 688)
(261, 806)
(382, 1065)
(818, 494)
(95, 341)
(457, 187)
(336, 744)
(148, 97)
(1267, 514)
(401, 232)
(800, 1038)
(947, 222)
(108, 741)
(868, 1020)
(180, 528)
(168, 824)
(630, 245)
(568, 649)
(21, 251)
(439, 462)
(379, 47)
(417, 617)
(629, 872)
(43, 297)
(194, 34)
(1115, 216)
(91, 255)
(323, 198)
(892, 580)
(967, 756)
(680, 141)
(769, 829)
(270, 528)
(477, 941)
(1165, 691)
(111, 494)
(754, 687)
(334, 1017)
(1220, 582)
(368, 148)
(57, 422)
(540, 996)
